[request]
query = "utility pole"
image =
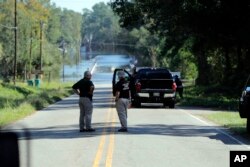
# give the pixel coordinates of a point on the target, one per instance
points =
(63, 47)
(63, 63)
(15, 30)
(41, 45)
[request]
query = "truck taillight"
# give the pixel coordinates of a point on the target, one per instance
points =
(174, 86)
(138, 87)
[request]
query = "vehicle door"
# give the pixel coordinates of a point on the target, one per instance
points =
(116, 78)
(244, 104)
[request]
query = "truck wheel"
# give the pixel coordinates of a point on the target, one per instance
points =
(172, 104)
(136, 103)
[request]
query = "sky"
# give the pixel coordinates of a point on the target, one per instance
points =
(77, 5)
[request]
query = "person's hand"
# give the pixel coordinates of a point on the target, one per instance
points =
(116, 99)
(129, 105)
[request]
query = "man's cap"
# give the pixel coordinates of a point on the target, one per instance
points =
(121, 74)
(87, 73)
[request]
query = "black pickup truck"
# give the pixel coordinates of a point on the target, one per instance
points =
(150, 85)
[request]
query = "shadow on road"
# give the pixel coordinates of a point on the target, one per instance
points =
(107, 128)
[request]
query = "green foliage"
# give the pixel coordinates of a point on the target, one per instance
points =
(224, 102)
(6, 34)
(147, 45)
(41, 28)
(41, 24)
(100, 28)
(219, 33)
(213, 97)
(11, 114)
(230, 120)
(19, 101)
(53, 32)
(182, 60)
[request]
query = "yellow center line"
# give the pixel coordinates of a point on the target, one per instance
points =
(103, 139)
(111, 142)
(101, 144)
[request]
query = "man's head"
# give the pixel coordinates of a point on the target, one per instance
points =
(121, 74)
(87, 75)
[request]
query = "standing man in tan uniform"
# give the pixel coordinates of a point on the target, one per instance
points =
(85, 88)
(123, 100)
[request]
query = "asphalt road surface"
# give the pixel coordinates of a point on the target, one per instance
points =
(156, 137)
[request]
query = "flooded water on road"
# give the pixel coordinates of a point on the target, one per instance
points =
(102, 67)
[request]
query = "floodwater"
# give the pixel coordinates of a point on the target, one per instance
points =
(101, 66)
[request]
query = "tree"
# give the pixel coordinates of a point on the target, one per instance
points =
(7, 38)
(39, 32)
(100, 28)
(32, 15)
(218, 29)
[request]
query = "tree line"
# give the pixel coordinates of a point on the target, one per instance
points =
(203, 39)
(49, 37)
(212, 34)
(42, 31)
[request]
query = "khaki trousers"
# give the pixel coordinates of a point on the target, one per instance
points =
(86, 109)
(121, 108)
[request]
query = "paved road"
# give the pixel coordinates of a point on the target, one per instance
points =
(157, 137)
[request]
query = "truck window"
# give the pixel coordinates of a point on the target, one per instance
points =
(155, 74)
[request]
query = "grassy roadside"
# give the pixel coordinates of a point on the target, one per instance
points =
(220, 99)
(19, 101)
(230, 120)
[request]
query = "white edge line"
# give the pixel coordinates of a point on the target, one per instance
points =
(206, 123)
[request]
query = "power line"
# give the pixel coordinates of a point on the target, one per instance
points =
(15, 37)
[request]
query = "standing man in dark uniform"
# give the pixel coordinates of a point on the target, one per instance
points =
(179, 86)
(123, 100)
(85, 88)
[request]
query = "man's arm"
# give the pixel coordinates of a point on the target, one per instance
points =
(117, 94)
(75, 88)
(91, 90)
(76, 91)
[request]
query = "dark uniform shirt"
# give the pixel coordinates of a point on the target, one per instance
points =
(84, 86)
(178, 82)
(123, 87)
